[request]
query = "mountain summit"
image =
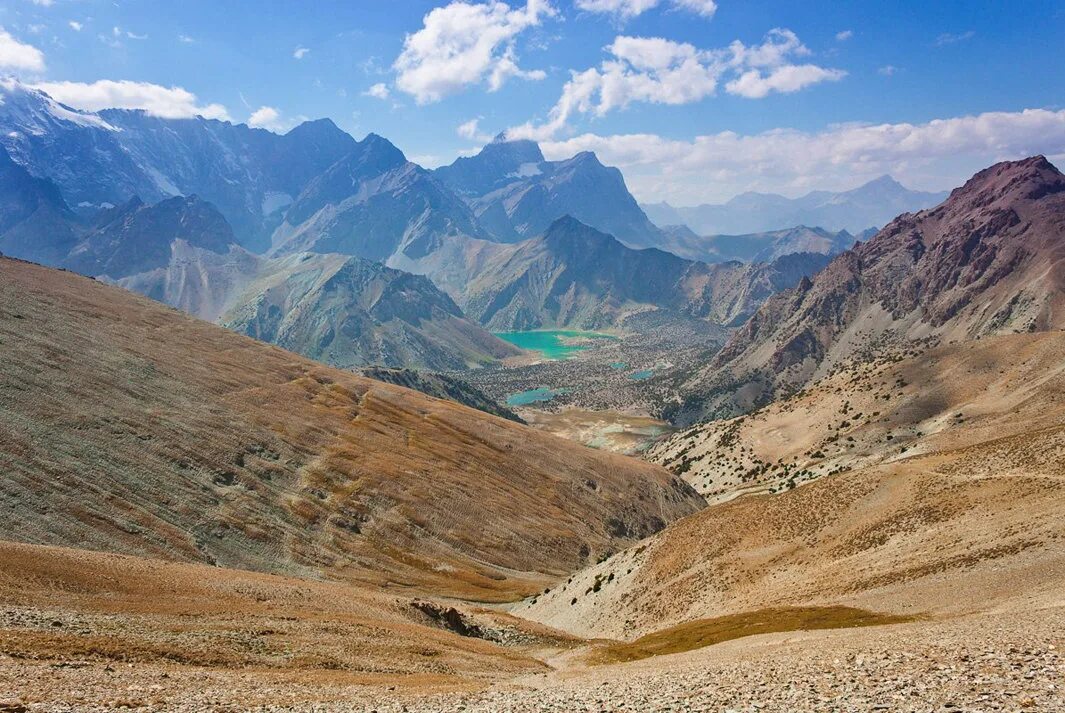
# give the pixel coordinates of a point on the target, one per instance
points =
(515, 193)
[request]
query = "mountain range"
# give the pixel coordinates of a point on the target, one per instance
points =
(988, 260)
(575, 276)
(270, 234)
(870, 205)
(757, 247)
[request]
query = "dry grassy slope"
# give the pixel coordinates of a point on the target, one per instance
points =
(974, 522)
(878, 411)
(65, 604)
(130, 427)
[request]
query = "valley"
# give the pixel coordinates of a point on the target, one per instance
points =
(291, 422)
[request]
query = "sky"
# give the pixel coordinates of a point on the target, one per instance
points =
(695, 100)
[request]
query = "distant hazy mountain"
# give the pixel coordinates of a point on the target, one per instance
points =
(576, 276)
(35, 222)
(376, 204)
(106, 158)
(989, 260)
(516, 194)
(873, 204)
(135, 237)
(756, 247)
(347, 311)
(340, 309)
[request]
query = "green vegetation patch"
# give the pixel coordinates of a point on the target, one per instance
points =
(707, 632)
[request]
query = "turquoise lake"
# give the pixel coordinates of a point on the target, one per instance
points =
(534, 396)
(549, 341)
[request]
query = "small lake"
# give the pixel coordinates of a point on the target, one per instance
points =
(534, 396)
(551, 342)
(642, 374)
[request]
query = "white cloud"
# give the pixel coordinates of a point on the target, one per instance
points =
(711, 168)
(471, 130)
(185, 39)
(706, 8)
(17, 55)
(300, 52)
(844, 35)
(465, 43)
(948, 38)
(75, 25)
(628, 9)
(135, 36)
(377, 91)
(265, 117)
(791, 78)
(43, 3)
(660, 71)
(165, 102)
(888, 70)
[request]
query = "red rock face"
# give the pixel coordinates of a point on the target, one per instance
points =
(988, 260)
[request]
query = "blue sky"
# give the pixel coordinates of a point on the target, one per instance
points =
(816, 95)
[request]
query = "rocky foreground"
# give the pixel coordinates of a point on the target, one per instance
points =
(992, 662)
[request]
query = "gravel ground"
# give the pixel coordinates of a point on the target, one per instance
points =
(1006, 662)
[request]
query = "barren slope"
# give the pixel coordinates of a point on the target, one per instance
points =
(963, 512)
(130, 427)
(879, 411)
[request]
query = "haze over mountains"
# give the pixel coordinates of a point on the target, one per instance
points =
(868, 206)
(577, 277)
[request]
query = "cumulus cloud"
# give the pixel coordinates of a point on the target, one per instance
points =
(265, 117)
(755, 85)
(627, 9)
(300, 52)
(471, 130)
(157, 100)
(18, 56)
(711, 168)
(75, 25)
(463, 44)
(378, 91)
(844, 35)
(660, 71)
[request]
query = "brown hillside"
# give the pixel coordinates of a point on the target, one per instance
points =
(963, 513)
(130, 427)
(884, 410)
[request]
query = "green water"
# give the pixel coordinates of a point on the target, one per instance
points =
(619, 365)
(534, 396)
(642, 374)
(549, 342)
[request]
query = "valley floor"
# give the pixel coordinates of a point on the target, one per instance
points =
(1002, 661)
